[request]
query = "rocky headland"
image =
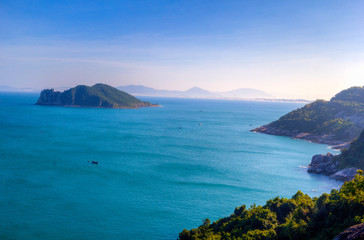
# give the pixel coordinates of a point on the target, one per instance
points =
(336, 122)
(99, 96)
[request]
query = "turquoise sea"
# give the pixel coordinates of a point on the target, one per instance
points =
(159, 170)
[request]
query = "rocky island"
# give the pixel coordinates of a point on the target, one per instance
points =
(98, 95)
(336, 122)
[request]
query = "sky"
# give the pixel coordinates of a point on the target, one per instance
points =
(291, 49)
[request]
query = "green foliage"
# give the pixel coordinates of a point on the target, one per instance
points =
(354, 156)
(353, 94)
(300, 217)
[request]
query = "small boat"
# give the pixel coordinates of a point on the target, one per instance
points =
(94, 162)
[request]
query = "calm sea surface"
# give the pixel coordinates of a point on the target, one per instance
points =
(159, 170)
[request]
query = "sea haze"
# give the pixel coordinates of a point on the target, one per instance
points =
(160, 170)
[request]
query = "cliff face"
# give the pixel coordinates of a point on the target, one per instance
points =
(99, 95)
(333, 122)
(323, 164)
(49, 97)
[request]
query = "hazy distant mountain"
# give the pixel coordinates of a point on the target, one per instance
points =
(147, 91)
(199, 93)
(196, 92)
(246, 93)
(140, 89)
(13, 89)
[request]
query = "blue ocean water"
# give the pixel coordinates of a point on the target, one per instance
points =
(159, 170)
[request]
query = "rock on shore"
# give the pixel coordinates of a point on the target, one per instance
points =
(345, 175)
(355, 232)
(323, 164)
(328, 165)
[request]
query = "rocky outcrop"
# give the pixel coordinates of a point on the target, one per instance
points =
(346, 174)
(355, 232)
(49, 97)
(323, 164)
(328, 165)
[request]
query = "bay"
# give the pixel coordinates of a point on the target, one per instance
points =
(159, 170)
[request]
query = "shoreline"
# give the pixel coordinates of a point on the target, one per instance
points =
(309, 137)
(79, 106)
(323, 164)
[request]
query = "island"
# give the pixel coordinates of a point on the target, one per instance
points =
(336, 122)
(98, 96)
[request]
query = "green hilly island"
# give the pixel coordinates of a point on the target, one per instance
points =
(333, 122)
(98, 95)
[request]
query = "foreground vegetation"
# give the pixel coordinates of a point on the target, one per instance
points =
(300, 217)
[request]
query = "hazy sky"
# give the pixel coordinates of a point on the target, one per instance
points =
(291, 49)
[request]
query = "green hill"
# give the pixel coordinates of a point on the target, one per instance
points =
(99, 95)
(353, 94)
(354, 156)
(300, 217)
(331, 122)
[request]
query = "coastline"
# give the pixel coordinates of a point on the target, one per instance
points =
(314, 138)
(79, 106)
(323, 164)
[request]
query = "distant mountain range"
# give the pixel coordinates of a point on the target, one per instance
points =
(13, 89)
(195, 92)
